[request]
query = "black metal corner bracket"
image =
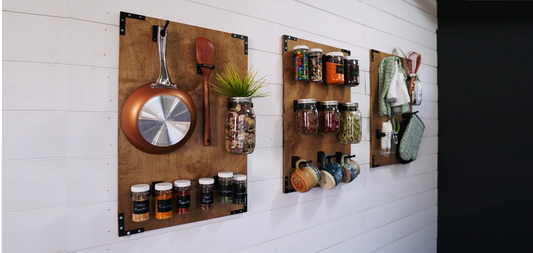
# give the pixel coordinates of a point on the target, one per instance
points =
(286, 184)
(285, 40)
(374, 52)
(245, 38)
(346, 51)
(123, 16)
(373, 164)
(244, 209)
(122, 231)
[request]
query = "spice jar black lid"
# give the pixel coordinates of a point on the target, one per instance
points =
(350, 106)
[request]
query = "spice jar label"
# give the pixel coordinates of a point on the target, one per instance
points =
(183, 202)
(340, 69)
(164, 206)
(140, 207)
(240, 192)
(206, 198)
(226, 191)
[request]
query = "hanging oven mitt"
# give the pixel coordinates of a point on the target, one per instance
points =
(411, 131)
(391, 74)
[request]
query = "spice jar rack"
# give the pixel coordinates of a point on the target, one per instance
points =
(193, 160)
(306, 146)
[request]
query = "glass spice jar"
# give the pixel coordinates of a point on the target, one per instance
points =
(334, 68)
(240, 126)
(328, 117)
(306, 116)
(225, 190)
(182, 193)
(140, 194)
(239, 189)
(351, 71)
(207, 186)
(315, 65)
(350, 131)
(300, 63)
(163, 198)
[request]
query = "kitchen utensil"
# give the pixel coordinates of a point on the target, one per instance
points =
(205, 57)
(159, 117)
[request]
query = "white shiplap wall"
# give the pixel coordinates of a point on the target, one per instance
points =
(60, 65)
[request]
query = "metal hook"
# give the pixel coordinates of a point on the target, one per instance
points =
(164, 31)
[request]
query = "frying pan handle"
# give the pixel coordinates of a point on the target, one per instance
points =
(163, 81)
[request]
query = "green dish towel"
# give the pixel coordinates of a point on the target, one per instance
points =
(386, 71)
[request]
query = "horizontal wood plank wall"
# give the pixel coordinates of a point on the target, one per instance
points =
(66, 110)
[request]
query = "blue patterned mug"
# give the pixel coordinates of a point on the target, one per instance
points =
(331, 174)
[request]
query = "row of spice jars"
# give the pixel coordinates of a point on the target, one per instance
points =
(326, 117)
(338, 70)
(182, 194)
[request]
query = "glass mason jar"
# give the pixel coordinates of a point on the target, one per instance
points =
(351, 71)
(225, 189)
(315, 65)
(182, 192)
(206, 186)
(239, 189)
(140, 194)
(163, 201)
(306, 116)
(300, 63)
(334, 68)
(328, 117)
(240, 126)
(350, 131)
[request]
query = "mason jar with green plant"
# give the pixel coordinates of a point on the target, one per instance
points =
(240, 125)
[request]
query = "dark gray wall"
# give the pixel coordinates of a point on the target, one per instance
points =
(485, 66)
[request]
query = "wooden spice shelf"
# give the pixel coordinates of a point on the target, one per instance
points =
(138, 65)
(306, 147)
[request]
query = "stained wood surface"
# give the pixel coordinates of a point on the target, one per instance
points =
(138, 65)
(307, 146)
(376, 120)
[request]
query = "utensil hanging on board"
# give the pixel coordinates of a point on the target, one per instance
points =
(205, 57)
(415, 87)
(159, 117)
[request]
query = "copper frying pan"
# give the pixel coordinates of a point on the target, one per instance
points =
(159, 117)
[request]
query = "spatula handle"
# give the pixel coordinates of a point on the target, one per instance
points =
(207, 121)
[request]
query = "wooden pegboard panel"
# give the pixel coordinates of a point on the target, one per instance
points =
(376, 159)
(138, 65)
(306, 147)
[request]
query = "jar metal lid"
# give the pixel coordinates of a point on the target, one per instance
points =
(140, 187)
(307, 101)
(335, 54)
(182, 183)
(351, 58)
(206, 181)
(239, 177)
(332, 102)
(240, 99)
(225, 174)
(163, 186)
(300, 47)
(349, 104)
(315, 50)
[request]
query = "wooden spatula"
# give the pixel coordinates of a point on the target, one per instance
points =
(205, 57)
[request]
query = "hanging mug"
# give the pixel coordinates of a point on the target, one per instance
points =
(350, 169)
(331, 174)
(304, 179)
